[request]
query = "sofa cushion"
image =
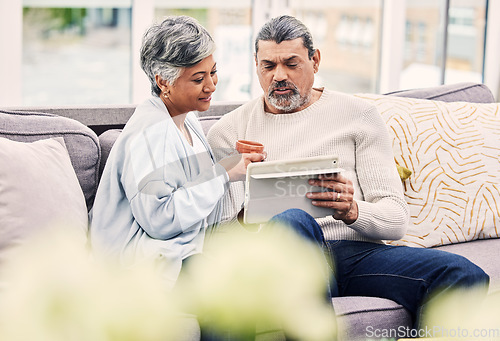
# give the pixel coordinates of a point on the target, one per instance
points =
(207, 122)
(453, 151)
(363, 318)
(81, 142)
(465, 92)
(483, 253)
(106, 141)
(38, 190)
(359, 318)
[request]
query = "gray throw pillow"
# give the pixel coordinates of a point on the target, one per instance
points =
(38, 190)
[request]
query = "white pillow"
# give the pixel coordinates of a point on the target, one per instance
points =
(453, 150)
(38, 190)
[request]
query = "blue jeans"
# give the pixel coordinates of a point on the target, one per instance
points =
(307, 227)
(405, 275)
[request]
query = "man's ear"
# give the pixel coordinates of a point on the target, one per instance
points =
(316, 58)
(255, 57)
(163, 84)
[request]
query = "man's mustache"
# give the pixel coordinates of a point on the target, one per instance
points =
(282, 84)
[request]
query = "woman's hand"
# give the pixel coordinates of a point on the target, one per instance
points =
(236, 165)
(340, 196)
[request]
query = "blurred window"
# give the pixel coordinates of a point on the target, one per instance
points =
(230, 24)
(436, 53)
(76, 55)
(80, 51)
(466, 41)
(424, 45)
(348, 34)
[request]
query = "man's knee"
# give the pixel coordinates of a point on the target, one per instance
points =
(293, 215)
(475, 275)
(466, 272)
(301, 222)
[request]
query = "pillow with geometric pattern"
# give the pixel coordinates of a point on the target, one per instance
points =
(453, 151)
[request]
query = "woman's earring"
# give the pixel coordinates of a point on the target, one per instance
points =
(165, 94)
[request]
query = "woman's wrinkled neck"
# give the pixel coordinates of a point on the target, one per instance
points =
(179, 120)
(177, 117)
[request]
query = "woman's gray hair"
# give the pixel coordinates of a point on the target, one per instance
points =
(283, 28)
(175, 43)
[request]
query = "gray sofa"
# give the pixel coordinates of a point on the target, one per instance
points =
(89, 133)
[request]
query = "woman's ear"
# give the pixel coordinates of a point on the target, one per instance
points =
(163, 84)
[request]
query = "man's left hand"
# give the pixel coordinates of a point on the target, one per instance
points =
(340, 197)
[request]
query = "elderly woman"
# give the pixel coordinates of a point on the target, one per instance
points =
(161, 187)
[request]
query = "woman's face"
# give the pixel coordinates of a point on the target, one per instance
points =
(193, 89)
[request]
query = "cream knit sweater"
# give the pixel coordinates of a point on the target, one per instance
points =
(337, 124)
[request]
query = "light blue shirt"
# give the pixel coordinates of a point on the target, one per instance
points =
(157, 193)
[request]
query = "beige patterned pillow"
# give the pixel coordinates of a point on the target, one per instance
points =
(453, 150)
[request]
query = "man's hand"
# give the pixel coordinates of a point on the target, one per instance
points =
(340, 197)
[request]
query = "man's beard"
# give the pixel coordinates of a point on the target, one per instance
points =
(287, 102)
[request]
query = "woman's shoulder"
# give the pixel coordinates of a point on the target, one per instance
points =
(147, 113)
(152, 106)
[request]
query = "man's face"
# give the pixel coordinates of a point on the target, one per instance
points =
(286, 74)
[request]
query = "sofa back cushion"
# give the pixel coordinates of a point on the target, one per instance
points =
(81, 142)
(453, 150)
(460, 92)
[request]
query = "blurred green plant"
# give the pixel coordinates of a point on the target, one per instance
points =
(54, 290)
(272, 278)
(463, 314)
(58, 18)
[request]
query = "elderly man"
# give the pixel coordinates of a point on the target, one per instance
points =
(295, 120)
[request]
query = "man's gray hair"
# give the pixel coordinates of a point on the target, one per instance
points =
(283, 28)
(175, 43)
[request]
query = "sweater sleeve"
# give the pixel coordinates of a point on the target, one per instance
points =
(222, 137)
(383, 214)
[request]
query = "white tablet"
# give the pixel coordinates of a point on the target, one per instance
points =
(274, 186)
